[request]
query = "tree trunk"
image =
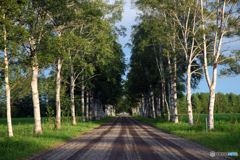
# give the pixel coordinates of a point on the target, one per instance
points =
(58, 89)
(175, 113)
(95, 109)
(169, 98)
(170, 88)
(145, 106)
(87, 105)
(167, 109)
(163, 99)
(72, 87)
(163, 80)
(83, 103)
(153, 105)
(189, 103)
(211, 109)
(216, 54)
(98, 111)
(8, 96)
(35, 97)
(142, 109)
(159, 106)
(91, 106)
(174, 84)
(149, 106)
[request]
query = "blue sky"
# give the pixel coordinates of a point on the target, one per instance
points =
(225, 85)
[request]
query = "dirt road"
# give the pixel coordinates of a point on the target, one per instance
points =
(125, 138)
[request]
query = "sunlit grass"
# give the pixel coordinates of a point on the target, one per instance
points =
(224, 138)
(25, 144)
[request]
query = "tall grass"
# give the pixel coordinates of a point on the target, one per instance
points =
(224, 138)
(25, 144)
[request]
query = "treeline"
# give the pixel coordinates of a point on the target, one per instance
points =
(224, 103)
(59, 58)
(174, 45)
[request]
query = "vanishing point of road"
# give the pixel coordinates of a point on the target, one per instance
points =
(125, 138)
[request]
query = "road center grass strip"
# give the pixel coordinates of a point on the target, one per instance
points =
(25, 144)
(224, 138)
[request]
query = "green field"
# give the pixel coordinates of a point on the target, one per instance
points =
(224, 138)
(25, 144)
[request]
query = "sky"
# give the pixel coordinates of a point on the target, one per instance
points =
(224, 85)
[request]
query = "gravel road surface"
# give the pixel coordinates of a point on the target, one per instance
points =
(124, 138)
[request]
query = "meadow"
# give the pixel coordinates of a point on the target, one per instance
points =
(224, 138)
(25, 144)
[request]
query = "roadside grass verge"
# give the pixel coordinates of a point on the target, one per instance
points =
(224, 138)
(25, 144)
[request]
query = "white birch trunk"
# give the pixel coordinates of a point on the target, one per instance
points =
(35, 97)
(58, 89)
(211, 108)
(163, 98)
(72, 87)
(170, 88)
(175, 112)
(153, 105)
(8, 96)
(83, 103)
(189, 102)
(167, 109)
(216, 54)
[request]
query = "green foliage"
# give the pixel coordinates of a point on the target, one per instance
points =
(232, 65)
(81, 34)
(224, 103)
(50, 112)
(196, 104)
(182, 104)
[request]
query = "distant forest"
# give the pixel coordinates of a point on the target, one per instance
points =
(224, 103)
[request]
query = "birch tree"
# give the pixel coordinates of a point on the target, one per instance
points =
(11, 36)
(182, 16)
(6, 62)
(226, 21)
(34, 19)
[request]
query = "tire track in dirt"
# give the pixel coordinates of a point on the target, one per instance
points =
(92, 143)
(165, 141)
(144, 149)
(102, 150)
(194, 150)
(164, 151)
(118, 145)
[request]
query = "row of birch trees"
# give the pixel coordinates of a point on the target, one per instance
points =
(185, 38)
(75, 39)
